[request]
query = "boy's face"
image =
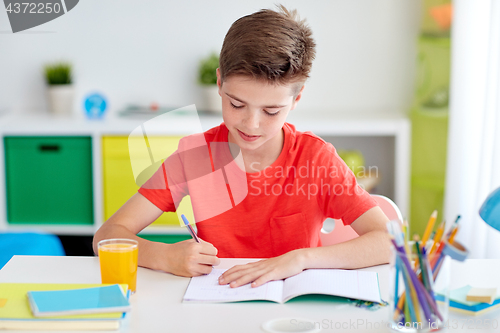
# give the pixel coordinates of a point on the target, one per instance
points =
(254, 111)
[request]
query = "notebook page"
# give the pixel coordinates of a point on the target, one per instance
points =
(338, 282)
(206, 288)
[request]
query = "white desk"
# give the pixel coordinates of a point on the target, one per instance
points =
(157, 306)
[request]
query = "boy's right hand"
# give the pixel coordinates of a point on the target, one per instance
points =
(189, 258)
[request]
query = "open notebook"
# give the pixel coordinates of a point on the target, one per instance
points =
(336, 282)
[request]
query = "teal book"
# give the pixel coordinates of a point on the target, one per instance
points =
(52, 303)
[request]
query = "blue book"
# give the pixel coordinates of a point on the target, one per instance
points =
(78, 301)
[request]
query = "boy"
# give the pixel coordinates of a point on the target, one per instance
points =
(265, 59)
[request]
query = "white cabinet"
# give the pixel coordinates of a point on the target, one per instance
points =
(384, 141)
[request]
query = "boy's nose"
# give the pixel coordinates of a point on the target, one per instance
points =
(252, 120)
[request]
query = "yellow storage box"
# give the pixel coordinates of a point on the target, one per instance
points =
(118, 177)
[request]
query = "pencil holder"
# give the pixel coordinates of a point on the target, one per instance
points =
(419, 291)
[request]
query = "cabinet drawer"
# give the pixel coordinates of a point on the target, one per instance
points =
(118, 177)
(49, 180)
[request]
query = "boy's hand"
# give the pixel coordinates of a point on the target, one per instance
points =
(263, 271)
(189, 258)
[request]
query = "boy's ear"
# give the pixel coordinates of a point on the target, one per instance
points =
(219, 82)
(297, 98)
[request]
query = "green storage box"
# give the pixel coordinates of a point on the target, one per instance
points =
(49, 180)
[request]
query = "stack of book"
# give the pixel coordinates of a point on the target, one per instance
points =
(459, 302)
(43, 306)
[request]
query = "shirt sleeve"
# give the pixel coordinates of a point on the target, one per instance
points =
(156, 190)
(343, 198)
(168, 185)
(171, 182)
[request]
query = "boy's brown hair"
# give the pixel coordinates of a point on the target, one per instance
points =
(274, 46)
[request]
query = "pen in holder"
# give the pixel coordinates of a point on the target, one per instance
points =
(414, 305)
(420, 279)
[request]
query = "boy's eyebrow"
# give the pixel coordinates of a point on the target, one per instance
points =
(268, 106)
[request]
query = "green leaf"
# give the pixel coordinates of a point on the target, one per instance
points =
(207, 70)
(58, 73)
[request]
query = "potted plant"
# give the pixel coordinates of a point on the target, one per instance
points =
(60, 88)
(207, 78)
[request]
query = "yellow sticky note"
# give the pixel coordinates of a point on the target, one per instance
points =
(485, 295)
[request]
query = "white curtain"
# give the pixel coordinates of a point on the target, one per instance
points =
(473, 166)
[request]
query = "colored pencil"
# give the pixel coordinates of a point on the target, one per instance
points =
(453, 231)
(396, 283)
(452, 235)
(430, 226)
(416, 239)
(437, 237)
(410, 306)
(405, 229)
(424, 272)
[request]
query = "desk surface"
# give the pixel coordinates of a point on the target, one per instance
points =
(157, 305)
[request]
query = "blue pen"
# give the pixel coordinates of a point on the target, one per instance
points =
(190, 228)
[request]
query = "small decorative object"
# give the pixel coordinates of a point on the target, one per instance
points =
(442, 15)
(354, 160)
(95, 105)
(207, 77)
(366, 177)
(60, 88)
(439, 99)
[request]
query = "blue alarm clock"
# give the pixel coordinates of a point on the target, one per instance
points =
(95, 106)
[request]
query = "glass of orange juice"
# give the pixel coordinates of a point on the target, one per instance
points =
(118, 261)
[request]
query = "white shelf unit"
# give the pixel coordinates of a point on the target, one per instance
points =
(392, 133)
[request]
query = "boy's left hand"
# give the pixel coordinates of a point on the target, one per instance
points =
(263, 271)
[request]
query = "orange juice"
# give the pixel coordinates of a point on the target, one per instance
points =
(118, 261)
